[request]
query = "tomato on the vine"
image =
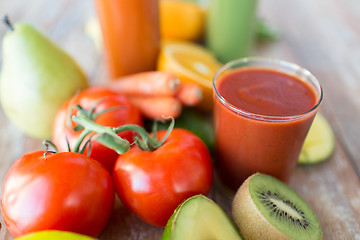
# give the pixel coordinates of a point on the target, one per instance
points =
(57, 191)
(153, 183)
(108, 108)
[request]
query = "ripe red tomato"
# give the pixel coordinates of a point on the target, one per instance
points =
(123, 113)
(64, 191)
(153, 183)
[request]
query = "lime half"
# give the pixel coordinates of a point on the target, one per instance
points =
(319, 143)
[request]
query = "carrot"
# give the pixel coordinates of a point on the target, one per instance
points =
(155, 83)
(157, 107)
(190, 94)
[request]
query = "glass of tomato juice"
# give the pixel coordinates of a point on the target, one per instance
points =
(263, 109)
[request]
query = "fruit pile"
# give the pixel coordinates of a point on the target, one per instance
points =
(263, 208)
(101, 146)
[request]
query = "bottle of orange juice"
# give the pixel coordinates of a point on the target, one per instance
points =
(131, 35)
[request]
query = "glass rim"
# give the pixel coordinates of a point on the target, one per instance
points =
(283, 63)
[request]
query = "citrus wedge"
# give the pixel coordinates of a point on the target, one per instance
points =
(181, 20)
(319, 143)
(191, 63)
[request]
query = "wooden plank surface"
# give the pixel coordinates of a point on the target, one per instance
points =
(322, 36)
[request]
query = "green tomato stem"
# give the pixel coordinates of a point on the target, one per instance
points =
(80, 140)
(91, 125)
(108, 135)
(48, 143)
(146, 143)
(170, 128)
(105, 135)
(150, 143)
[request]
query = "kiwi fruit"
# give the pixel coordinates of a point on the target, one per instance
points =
(266, 208)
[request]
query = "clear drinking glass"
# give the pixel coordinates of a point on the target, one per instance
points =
(248, 142)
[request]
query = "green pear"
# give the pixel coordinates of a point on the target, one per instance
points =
(37, 78)
(54, 235)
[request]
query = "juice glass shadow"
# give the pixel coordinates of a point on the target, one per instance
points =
(263, 109)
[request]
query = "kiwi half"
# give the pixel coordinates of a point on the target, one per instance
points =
(266, 208)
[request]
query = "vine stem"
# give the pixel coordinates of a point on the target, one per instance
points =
(80, 140)
(109, 137)
(147, 143)
(105, 135)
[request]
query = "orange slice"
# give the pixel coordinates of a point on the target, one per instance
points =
(181, 20)
(191, 63)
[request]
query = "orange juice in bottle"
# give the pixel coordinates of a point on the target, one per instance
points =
(131, 35)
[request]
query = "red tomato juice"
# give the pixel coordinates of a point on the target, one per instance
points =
(261, 121)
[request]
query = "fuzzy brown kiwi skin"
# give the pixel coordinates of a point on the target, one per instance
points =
(250, 222)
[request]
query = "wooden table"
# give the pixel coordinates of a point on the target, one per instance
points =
(322, 36)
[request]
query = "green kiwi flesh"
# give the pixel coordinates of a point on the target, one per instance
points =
(266, 208)
(199, 218)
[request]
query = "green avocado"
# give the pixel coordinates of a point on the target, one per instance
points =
(199, 218)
